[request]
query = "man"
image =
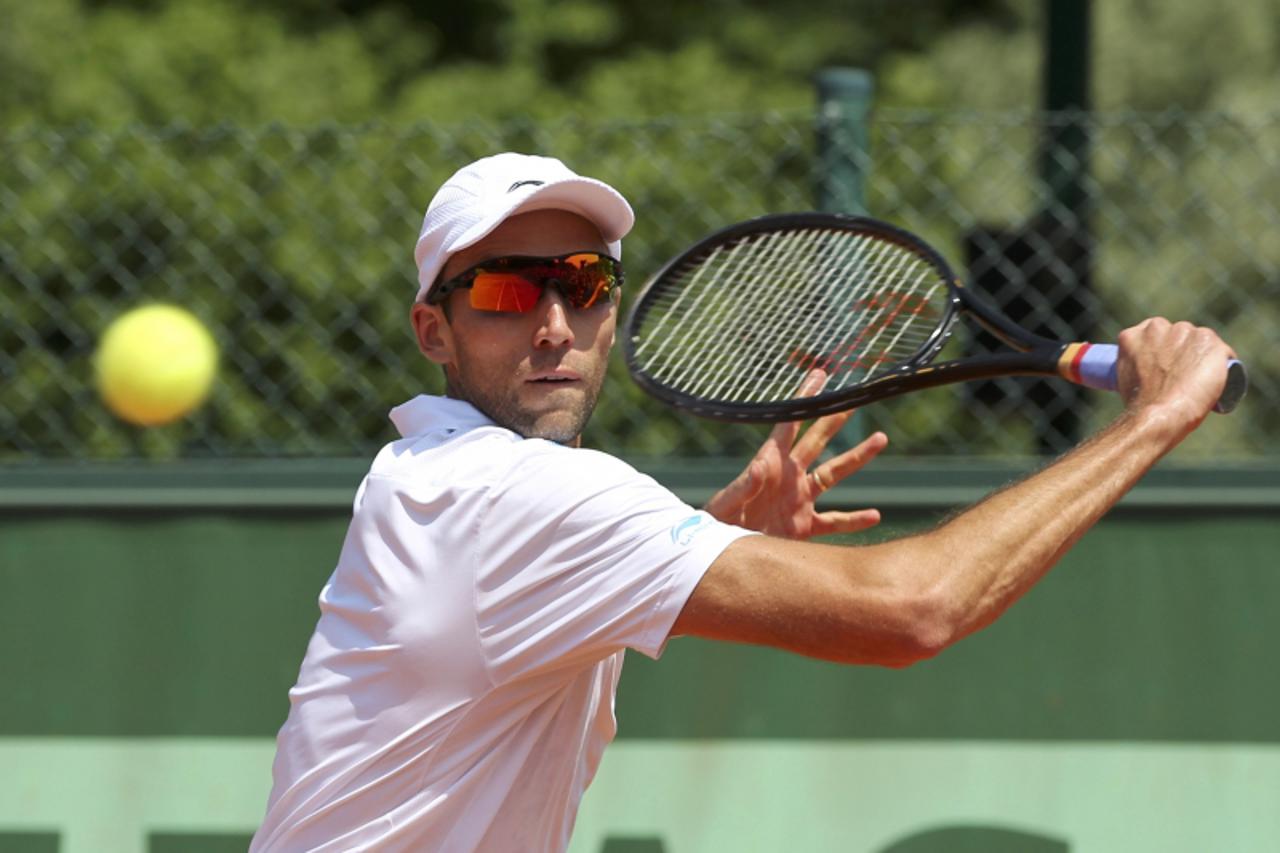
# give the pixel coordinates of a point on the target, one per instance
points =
(458, 691)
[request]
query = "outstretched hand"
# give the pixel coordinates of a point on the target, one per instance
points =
(777, 491)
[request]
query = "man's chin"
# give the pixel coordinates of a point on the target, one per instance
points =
(560, 427)
(561, 424)
(559, 416)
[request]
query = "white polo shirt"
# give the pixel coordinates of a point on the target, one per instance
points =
(458, 691)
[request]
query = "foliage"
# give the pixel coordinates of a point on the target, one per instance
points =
(271, 161)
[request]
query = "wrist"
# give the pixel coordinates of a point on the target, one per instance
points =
(1158, 426)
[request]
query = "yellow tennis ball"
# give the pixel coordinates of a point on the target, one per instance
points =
(155, 364)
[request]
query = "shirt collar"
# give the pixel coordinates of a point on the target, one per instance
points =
(426, 413)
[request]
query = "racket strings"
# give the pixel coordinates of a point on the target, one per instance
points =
(725, 297)
(750, 319)
(735, 272)
(709, 371)
(761, 321)
(801, 315)
(852, 345)
(891, 312)
(839, 339)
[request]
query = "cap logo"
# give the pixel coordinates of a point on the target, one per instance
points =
(518, 184)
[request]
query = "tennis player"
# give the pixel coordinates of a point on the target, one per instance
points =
(458, 691)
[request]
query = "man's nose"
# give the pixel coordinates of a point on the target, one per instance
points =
(553, 327)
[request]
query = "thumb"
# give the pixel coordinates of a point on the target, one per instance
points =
(729, 502)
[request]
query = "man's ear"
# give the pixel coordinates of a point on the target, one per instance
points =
(432, 330)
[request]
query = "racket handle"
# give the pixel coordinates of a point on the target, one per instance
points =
(1094, 366)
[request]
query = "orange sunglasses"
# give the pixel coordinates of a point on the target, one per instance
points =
(515, 283)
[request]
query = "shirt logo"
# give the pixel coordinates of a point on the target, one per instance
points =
(684, 532)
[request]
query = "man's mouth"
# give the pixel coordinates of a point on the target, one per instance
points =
(554, 377)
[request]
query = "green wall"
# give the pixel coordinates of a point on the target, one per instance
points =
(175, 624)
(148, 651)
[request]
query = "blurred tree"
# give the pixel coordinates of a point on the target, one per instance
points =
(267, 163)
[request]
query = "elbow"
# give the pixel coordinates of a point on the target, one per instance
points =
(925, 628)
(904, 628)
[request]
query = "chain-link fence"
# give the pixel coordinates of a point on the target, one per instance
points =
(294, 245)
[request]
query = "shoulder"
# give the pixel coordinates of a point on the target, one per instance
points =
(462, 458)
(536, 458)
(498, 464)
(550, 474)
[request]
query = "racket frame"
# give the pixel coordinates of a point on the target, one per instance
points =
(1032, 355)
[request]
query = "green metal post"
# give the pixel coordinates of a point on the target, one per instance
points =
(844, 107)
(1064, 158)
(843, 137)
(1064, 218)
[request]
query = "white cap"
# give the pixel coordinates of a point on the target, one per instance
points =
(479, 197)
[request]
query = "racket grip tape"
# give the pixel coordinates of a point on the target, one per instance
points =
(1094, 366)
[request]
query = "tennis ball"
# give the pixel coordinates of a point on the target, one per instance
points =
(155, 364)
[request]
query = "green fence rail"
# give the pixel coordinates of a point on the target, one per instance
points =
(294, 245)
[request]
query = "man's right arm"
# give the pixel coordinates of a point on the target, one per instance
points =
(901, 601)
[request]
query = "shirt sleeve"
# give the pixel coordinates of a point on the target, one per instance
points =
(579, 555)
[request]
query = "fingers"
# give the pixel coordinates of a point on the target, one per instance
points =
(827, 523)
(784, 434)
(817, 437)
(834, 470)
(1159, 338)
(813, 382)
(1179, 367)
(729, 503)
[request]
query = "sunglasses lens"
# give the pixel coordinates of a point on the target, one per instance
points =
(517, 283)
(587, 277)
(504, 291)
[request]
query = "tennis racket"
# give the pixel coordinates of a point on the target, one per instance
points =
(730, 328)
